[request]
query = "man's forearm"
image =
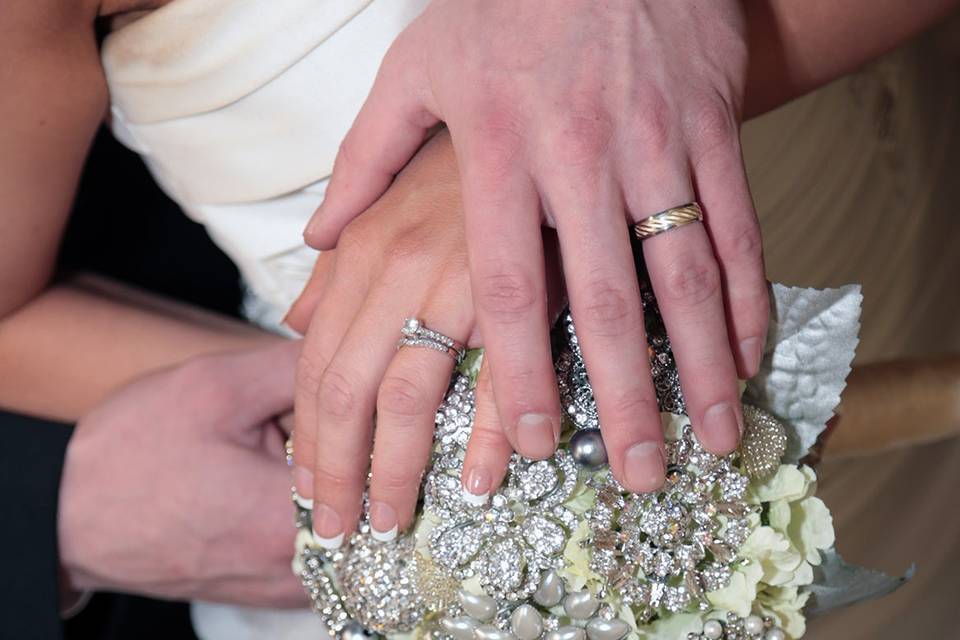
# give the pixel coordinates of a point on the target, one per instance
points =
(62, 353)
(799, 45)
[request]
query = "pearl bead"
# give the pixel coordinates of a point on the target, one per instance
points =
(712, 629)
(550, 591)
(355, 631)
(753, 625)
(775, 634)
(586, 447)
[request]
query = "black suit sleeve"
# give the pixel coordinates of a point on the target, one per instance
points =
(31, 459)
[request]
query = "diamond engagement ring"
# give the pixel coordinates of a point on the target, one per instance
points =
(667, 220)
(416, 334)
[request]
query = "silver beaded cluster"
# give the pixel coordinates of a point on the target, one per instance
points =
(508, 541)
(664, 550)
(752, 627)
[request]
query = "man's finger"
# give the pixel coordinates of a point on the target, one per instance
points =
(734, 231)
(390, 127)
(507, 278)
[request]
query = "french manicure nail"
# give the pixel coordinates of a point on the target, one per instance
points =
(303, 484)
(535, 436)
(751, 350)
(476, 486)
(383, 522)
(722, 428)
(327, 528)
(644, 467)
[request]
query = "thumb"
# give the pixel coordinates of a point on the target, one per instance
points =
(259, 382)
(392, 124)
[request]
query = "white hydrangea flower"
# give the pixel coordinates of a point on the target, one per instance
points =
(739, 594)
(785, 606)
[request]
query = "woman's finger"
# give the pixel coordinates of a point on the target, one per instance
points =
(508, 282)
(329, 322)
(734, 231)
(605, 304)
(301, 311)
(412, 389)
(488, 451)
(392, 124)
(345, 401)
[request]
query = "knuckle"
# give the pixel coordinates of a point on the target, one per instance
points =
(396, 479)
(692, 281)
(498, 140)
(583, 137)
(714, 124)
(309, 372)
(334, 481)
(652, 128)
(507, 292)
(335, 395)
(747, 244)
(405, 247)
(403, 396)
(608, 310)
(632, 404)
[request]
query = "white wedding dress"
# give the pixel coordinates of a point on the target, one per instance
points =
(238, 108)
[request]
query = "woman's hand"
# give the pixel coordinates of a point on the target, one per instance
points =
(404, 258)
(585, 116)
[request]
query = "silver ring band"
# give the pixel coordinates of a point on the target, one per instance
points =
(416, 334)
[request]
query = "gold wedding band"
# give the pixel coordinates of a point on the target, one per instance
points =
(666, 220)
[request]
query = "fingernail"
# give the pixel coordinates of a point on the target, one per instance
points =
(314, 222)
(327, 529)
(751, 349)
(644, 467)
(383, 522)
(722, 428)
(303, 483)
(476, 486)
(535, 436)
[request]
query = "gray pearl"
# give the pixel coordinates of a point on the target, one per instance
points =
(526, 623)
(355, 631)
(550, 591)
(600, 629)
(712, 630)
(567, 633)
(459, 628)
(490, 632)
(480, 607)
(580, 605)
(586, 447)
(775, 634)
(753, 625)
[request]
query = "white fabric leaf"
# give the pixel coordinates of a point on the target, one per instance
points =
(812, 338)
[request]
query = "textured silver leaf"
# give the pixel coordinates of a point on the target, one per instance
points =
(838, 584)
(810, 345)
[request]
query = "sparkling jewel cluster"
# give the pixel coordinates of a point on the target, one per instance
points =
(656, 554)
(664, 550)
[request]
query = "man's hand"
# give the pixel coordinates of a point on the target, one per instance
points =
(585, 116)
(176, 486)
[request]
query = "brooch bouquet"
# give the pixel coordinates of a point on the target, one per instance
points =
(735, 547)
